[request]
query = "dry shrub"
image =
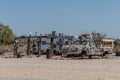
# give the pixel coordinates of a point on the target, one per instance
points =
(117, 48)
(6, 48)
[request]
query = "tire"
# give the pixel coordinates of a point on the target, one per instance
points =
(90, 56)
(81, 55)
(106, 54)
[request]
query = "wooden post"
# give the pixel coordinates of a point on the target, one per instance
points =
(28, 46)
(52, 40)
(39, 47)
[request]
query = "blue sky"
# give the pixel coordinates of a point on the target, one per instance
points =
(64, 16)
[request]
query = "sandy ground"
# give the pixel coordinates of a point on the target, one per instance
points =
(48, 69)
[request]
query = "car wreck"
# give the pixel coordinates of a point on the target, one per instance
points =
(84, 47)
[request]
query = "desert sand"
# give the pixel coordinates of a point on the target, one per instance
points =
(51, 69)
